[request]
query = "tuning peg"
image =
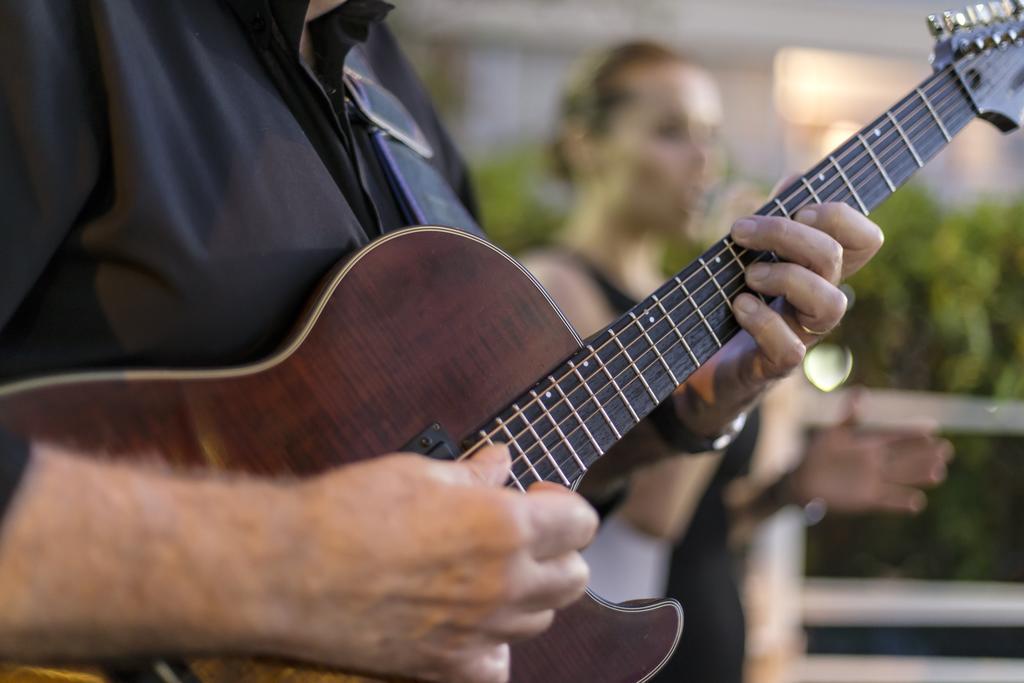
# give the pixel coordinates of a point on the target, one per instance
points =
(999, 12)
(982, 14)
(957, 21)
(936, 26)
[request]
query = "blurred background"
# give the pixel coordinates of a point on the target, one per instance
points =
(936, 327)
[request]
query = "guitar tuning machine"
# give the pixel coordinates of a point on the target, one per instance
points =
(978, 15)
(951, 22)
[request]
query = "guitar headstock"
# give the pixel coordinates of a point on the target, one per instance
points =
(984, 43)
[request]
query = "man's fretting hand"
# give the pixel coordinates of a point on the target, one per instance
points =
(819, 248)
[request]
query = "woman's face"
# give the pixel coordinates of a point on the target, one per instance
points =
(657, 158)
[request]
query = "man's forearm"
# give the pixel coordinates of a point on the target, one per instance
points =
(101, 560)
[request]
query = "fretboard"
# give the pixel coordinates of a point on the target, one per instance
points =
(566, 421)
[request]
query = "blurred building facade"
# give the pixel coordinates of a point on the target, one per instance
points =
(798, 76)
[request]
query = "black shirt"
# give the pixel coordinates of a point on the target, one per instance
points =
(174, 180)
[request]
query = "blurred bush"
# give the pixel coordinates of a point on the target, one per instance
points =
(521, 205)
(940, 309)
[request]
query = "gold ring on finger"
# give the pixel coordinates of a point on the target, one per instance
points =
(812, 332)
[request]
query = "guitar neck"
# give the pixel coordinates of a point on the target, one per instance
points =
(568, 420)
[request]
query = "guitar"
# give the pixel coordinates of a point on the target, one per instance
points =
(459, 347)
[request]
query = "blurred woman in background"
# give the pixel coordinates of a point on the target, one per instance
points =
(638, 143)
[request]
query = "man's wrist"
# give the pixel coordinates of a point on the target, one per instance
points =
(674, 431)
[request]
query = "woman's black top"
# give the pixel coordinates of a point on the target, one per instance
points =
(703, 575)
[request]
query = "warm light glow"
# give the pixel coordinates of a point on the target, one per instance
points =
(836, 134)
(818, 87)
(827, 366)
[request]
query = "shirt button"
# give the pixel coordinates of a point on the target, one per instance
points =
(257, 23)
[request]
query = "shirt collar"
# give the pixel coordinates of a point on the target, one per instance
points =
(290, 16)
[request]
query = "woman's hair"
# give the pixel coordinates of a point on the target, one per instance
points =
(595, 89)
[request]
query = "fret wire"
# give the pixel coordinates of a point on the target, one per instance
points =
(743, 267)
(782, 207)
(874, 157)
(810, 188)
(935, 115)
(572, 409)
(561, 436)
(629, 359)
(576, 370)
(896, 158)
(910, 148)
(842, 174)
(554, 463)
(512, 442)
(657, 352)
(714, 279)
(582, 423)
(906, 139)
(699, 312)
(515, 479)
(927, 138)
(675, 328)
(625, 399)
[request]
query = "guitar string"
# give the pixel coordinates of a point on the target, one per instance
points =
(889, 137)
(919, 108)
(579, 418)
(842, 189)
(575, 416)
(942, 90)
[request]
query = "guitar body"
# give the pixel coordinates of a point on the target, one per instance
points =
(425, 326)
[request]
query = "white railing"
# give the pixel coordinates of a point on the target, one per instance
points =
(847, 602)
(829, 669)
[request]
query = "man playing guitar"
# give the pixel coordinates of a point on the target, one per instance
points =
(174, 178)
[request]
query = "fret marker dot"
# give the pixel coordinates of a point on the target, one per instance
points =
(718, 259)
(586, 363)
(821, 177)
(547, 395)
(651, 319)
(878, 133)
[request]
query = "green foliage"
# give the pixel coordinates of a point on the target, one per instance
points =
(512, 188)
(940, 310)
